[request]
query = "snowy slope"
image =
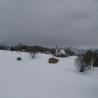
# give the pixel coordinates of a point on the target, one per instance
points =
(35, 78)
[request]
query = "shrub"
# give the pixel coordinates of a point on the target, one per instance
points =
(3, 47)
(32, 54)
(89, 60)
(12, 48)
(95, 64)
(61, 55)
(53, 51)
(80, 64)
(69, 52)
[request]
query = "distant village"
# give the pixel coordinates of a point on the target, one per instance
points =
(58, 51)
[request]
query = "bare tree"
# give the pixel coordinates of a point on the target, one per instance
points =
(80, 64)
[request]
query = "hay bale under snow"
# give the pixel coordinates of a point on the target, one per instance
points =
(53, 60)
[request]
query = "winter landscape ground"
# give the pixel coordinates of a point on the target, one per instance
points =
(36, 78)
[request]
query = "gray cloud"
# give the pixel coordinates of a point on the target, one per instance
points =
(49, 22)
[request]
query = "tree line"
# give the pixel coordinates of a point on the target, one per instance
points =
(88, 61)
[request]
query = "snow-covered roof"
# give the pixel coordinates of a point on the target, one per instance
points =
(62, 51)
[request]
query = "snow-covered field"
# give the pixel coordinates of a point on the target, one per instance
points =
(35, 78)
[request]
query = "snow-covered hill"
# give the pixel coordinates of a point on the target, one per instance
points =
(35, 78)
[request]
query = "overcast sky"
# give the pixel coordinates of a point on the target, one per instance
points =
(49, 22)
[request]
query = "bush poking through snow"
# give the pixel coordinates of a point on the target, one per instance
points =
(19, 59)
(53, 60)
(32, 54)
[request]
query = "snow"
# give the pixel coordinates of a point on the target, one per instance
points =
(35, 78)
(62, 51)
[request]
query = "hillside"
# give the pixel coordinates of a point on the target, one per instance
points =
(35, 78)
